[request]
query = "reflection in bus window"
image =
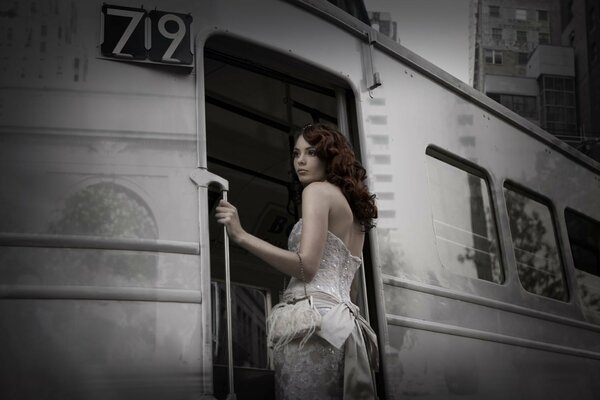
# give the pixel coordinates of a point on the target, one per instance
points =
(106, 209)
(536, 251)
(463, 220)
(584, 238)
(248, 308)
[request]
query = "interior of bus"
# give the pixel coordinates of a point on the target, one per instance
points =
(256, 100)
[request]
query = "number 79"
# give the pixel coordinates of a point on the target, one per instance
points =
(161, 37)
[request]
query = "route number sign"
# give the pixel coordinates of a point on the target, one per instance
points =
(153, 36)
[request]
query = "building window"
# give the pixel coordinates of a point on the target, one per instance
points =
(521, 14)
(521, 37)
(493, 56)
(543, 38)
(562, 98)
(525, 106)
(463, 219)
(558, 83)
(560, 115)
(558, 105)
(497, 34)
(494, 11)
(535, 246)
(542, 15)
(523, 58)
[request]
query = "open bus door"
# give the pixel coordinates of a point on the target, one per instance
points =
(252, 111)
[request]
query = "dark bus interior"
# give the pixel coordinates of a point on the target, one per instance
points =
(256, 100)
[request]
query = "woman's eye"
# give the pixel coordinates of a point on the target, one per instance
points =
(295, 154)
(312, 152)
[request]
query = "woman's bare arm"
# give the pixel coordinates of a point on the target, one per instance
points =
(315, 212)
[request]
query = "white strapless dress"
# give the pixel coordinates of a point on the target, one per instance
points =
(316, 371)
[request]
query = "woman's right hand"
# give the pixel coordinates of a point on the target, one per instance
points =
(227, 215)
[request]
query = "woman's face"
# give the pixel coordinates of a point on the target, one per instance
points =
(308, 166)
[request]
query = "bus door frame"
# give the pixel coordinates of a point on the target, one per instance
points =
(203, 179)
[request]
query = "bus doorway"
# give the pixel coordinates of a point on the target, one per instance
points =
(253, 110)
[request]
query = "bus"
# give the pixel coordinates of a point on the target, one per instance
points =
(122, 124)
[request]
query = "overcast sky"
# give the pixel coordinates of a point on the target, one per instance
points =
(437, 30)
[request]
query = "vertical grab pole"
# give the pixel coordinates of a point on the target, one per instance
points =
(231, 395)
(203, 179)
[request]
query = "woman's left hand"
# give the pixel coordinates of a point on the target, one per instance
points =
(227, 215)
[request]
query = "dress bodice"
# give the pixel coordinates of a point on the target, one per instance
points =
(336, 270)
(339, 361)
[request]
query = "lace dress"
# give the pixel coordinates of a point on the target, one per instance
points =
(316, 371)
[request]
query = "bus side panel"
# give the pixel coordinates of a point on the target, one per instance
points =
(451, 332)
(443, 346)
(430, 365)
(101, 295)
(99, 349)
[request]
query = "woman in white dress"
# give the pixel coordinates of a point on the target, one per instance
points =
(337, 361)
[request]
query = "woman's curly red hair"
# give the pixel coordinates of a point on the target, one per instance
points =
(343, 170)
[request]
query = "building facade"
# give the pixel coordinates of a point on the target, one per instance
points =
(580, 25)
(523, 62)
(508, 31)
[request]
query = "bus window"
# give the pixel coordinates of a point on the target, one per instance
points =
(584, 238)
(463, 220)
(535, 246)
(249, 307)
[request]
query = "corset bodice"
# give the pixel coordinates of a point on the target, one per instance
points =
(336, 270)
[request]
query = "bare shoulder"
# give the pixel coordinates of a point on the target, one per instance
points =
(319, 191)
(332, 195)
(328, 198)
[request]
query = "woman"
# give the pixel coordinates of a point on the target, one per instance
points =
(324, 248)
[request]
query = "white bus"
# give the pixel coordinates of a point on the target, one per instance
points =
(121, 124)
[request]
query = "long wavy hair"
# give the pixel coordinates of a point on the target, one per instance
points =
(343, 170)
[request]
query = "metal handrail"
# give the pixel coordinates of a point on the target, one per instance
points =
(231, 395)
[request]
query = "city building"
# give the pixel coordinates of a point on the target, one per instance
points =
(580, 26)
(508, 31)
(525, 61)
